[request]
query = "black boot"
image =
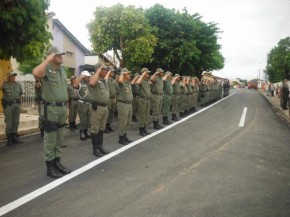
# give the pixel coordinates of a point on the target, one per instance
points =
(95, 141)
(166, 121)
(127, 139)
(87, 134)
(71, 126)
(181, 115)
(101, 140)
(146, 132)
(60, 167)
(134, 118)
(41, 132)
(174, 117)
(51, 170)
(122, 140)
(15, 139)
(142, 131)
(156, 125)
(9, 139)
(82, 135)
(75, 125)
(107, 129)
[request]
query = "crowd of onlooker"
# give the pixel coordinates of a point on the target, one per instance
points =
(280, 90)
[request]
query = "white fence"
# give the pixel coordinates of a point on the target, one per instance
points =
(27, 82)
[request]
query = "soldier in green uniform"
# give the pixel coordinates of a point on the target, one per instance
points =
(84, 104)
(175, 97)
(73, 103)
(144, 101)
(156, 97)
(167, 94)
(11, 101)
(124, 105)
(100, 97)
(189, 95)
(112, 102)
(55, 96)
(135, 97)
(38, 101)
(183, 97)
(195, 89)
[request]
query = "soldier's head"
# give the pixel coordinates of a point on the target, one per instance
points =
(104, 69)
(146, 71)
(160, 72)
(126, 74)
(11, 76)
(86, 75)
(57, 59)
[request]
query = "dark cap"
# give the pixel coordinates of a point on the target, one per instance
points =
(55, 50)
(10, 74)
(99, 65)
(145, 70)
(159, 70)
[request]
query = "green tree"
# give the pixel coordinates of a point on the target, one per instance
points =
(23, 33)
(126, 31)
(186, 45)
(27, 65)
(278, 61)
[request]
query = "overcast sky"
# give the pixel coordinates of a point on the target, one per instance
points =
(251, 28)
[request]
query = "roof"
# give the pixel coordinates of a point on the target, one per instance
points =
(70, 35)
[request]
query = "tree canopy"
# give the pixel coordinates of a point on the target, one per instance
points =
(126, 31)
(23, 33)
(157, 37)
(278, 61)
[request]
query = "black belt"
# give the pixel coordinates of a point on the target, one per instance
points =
(74, 99)
(85, 102)
(124, 102)
(112, 97)
(98, 104)
(54, 103)
(159, 94)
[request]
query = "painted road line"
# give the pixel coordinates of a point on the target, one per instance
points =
(25, 199)
(243, 118)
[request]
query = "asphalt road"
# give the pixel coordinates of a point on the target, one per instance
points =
(205, 166)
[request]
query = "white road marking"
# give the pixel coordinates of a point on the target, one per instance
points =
(22, 200)
(243, 118)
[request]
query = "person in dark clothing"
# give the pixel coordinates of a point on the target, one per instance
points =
(285, 94)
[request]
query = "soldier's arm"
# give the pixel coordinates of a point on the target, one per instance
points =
(95, 78)
(134, 80)
(40, 70)
(121, 79)
(76, 84)
(165, 77)
(153, 77)
(139, 80)
(173, 80)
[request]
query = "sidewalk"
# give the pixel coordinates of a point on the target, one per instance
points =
(275, 102)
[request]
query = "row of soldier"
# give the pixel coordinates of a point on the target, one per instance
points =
(98, 94)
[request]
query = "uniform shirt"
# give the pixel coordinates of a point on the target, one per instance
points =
(125, 92)
(189, 88)
(168, 89)
(84, 91)
(144, 89)
(72, 93)
(176, 88)
(12, 91)
(100, 92)
(38, 93)
(112, 87)
(157, 86)
(54, 85)
(183, 89)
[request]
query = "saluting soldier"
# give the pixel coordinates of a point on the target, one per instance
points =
(183, 97)
(175, 97)
(72, 103)
(112, 102)
(144, 101)
(195, 88)
(11, 102)
(124, 105)
(55, 96)
(100, 97)
(84, 104)
(156, 97)
(38, 101)
(167, 94)
(135, 92)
